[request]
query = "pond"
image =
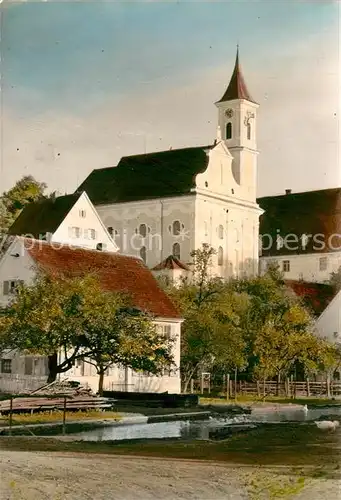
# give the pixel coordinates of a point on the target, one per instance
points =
(205, 429)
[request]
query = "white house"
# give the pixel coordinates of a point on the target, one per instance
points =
(69, 220)
(118, 273)
(328, 325)
(171, 202)
(302, 233)
(324, 302)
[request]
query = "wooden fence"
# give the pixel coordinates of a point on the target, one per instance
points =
(289, 388)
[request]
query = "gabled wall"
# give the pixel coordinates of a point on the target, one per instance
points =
(328, 324)
(90, 221)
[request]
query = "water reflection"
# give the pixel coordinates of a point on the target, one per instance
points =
(202, 429)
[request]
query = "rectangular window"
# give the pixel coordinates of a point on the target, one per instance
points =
(28, 365)
(286, 266)
(82, 214)
(323, 262)
(6, 366)
(74, 232)
(164, 330)
(10, 286)
(92, 234)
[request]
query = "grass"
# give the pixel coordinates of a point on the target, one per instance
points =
(57, 416)
(252, 398)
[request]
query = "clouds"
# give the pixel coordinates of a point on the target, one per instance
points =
(154, 99)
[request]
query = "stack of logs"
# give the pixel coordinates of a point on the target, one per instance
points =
(57, 396)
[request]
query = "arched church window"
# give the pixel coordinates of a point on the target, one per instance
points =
(143, 254)
(143, 230)
(176, 229)
(176, 250)
(221, 232)
(220, 256)
(248, 131)
(229, 130)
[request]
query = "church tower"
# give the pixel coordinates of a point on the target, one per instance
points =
(237, 120)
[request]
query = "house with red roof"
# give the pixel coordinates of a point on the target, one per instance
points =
(117, 273)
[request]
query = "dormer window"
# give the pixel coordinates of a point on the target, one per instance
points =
(229, 130)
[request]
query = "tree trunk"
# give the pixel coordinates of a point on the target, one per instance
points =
(52, 367)
(278, 384)
(100, 382)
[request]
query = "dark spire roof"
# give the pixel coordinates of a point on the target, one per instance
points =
(237, 88)
(171, 262)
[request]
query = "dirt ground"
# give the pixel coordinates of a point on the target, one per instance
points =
(66, 476)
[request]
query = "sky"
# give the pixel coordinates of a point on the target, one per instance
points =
(85, 83)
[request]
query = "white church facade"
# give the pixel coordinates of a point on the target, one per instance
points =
(171, 202)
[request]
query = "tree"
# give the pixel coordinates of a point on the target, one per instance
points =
(13, 201)
(211, 333)
(73, 318)
(286, 340)
(116, 333)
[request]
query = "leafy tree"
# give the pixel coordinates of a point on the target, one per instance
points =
(211, 333)
(286, 340)
(74, 317)
(13, 201)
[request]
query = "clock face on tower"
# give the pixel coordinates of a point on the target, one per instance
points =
(229, 113)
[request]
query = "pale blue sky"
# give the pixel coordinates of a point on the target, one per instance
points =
(87, 82)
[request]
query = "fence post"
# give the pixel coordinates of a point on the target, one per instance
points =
(308, 387)
(328, 386)
(228, 386)
(64, 415)
(10, 415)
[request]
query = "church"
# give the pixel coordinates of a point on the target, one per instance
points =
(167, 204)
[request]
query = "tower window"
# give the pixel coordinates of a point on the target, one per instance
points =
(248, 131)
(176, 250)
(220, 256)
(221, 232)
(143, 254)
(229, 130)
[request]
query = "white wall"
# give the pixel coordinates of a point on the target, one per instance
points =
(328, 324)
(159, 216)
(305, 267)
(90, 221)
(240, 234)
(15, 268)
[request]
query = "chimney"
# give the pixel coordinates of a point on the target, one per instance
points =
(288, 191)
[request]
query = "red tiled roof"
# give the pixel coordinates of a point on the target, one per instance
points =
(171, 262)
(316, 296)
(237, 88)
(117, 273)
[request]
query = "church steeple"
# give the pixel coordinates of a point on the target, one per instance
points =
(237, 88)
